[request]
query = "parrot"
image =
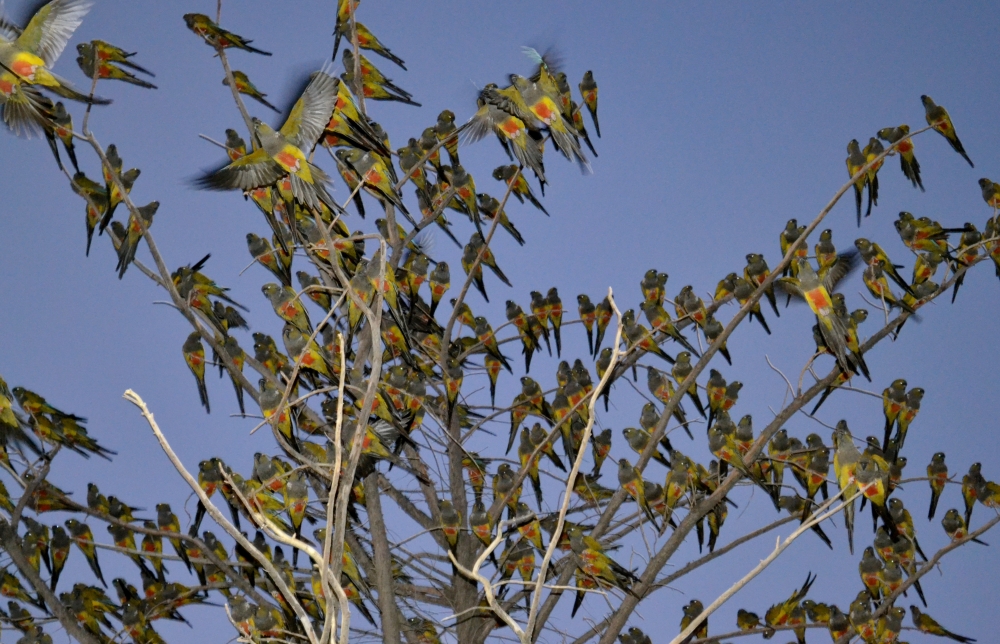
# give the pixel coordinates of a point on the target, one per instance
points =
(691, 611)
(216, 36)
(283, 152)
(781, 614)
(604, 313)
(539, 437)
(531, 103)
(287, 306)
(871, 476)
(525, 453)
(937, 474)
(373, 83)
(907, 161)
(816, 292)
(713, 329)
(515, 126)
(927, 624)
(509, 174)
(489, 207)
(747, 621)
(97, 202)
(638, 439)
(84, 540)
(576, 119)
(838, 623)
(479, 522)
(871, 251)
(742, 290)
(909, 411)
(374, 174)
(104, 69)
(680, 371)
(306, 353)
(26, 56)
(871, 152)
(270, 399)
(631, 481)
(367, 40)
(938, 118)
(845, 462)
(756, 272)
(439, 282)
(63, 128)
(588, 315)
(855, 161)
(971, 484)
(126, 252)
(528, 526)
(194, 356)
(451, 523)
(878, 286)
(598, 565)
(968, 252)
(503, 486)
(244, 86)
(167, 521)
(871, 569)
(59, 549)
(127, 178)
(659, 320)
(108, 52)
(446, 131)
(955, 527)
(789, 235)
(588, 90)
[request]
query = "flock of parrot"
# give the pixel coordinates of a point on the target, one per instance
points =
(330, 319)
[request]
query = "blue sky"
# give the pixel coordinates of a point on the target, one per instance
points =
(719, 121)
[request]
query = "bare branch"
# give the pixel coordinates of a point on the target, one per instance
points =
(11, 545)
(218, 517)
(567, 493)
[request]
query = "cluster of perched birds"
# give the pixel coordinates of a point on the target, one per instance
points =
(425, 368)
(900, 143)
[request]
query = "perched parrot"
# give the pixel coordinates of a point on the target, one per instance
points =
(244, 86)
(938, 118)
(216, 36)
(927, 624)
(194, 356)
(105, 69)
(898, 139)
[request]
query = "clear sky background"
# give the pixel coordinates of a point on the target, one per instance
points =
(720, 122)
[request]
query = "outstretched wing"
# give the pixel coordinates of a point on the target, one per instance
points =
(51, 27)
(847, 262)
(311, 112)
(246, 173)
(789, 286)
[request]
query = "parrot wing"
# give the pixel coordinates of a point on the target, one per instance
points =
(246, 173)
(847, 262)
(311, 112)
(51, 27)
(483, 123)
(26, 111)
(789, 286)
